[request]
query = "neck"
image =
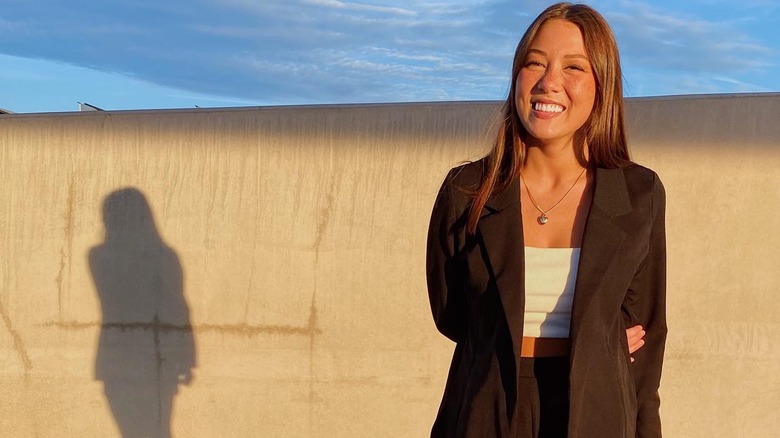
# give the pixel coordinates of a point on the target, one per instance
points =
(551, 163)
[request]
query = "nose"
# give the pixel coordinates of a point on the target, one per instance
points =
(550, 82)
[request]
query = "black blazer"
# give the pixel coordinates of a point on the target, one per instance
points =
(476, 291)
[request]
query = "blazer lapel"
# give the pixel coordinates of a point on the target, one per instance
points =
(600, 241)
(501, 230)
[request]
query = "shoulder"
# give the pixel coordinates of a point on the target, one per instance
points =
(638, 174)
(463, 180)
(458, 189)
(467, 176)
(640, 179)
(644, 184)
(630, 188)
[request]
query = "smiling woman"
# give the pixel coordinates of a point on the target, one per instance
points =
(546, 259)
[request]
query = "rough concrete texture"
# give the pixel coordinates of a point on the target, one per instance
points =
(260, 272)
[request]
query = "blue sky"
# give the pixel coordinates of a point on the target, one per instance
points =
(137, 54)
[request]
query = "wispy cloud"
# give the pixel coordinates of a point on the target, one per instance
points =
(647, 82)
(741, 86)
(360, 7)
(664, 40)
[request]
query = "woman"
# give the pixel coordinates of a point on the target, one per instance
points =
(546, 259)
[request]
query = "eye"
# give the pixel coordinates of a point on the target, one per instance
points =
(576, 67)
(534, 64)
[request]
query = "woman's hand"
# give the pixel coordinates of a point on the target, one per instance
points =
(635, 337)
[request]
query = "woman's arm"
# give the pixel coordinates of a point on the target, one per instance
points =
(646, 305)
(447, 304)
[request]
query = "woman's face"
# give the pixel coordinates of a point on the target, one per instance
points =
(556, 88)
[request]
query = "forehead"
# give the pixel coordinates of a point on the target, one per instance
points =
(559, 37)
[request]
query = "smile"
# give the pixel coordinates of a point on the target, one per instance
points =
(547, 107)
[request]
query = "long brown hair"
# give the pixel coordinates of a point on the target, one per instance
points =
(603, 133)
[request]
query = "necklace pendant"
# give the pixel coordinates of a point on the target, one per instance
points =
(542, 219)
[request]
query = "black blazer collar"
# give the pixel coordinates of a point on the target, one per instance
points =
(503, 199)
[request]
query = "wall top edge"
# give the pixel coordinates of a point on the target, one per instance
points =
(710, 96)
(317, 107)
(683, 97)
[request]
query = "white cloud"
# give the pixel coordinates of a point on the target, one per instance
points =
(661, 40)
(740, 86)
(646, 83)
(11, 26)
(360, 7)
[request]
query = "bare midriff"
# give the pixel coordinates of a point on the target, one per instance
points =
(545, 347)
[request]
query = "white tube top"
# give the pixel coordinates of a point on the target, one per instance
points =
(550, 274)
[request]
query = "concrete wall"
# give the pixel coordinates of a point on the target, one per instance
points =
(260, 272)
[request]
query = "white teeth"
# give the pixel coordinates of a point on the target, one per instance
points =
(548, 107)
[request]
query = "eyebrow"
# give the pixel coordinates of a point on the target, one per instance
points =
(573, 55)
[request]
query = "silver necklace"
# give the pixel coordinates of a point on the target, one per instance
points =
(543, 218)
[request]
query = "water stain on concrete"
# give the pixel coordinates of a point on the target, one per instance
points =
(162, 327)
(21, 351)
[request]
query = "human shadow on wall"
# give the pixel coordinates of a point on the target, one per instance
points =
(146, 347)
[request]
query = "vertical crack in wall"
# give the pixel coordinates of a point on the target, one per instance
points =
(312, 329)
(251, 273)
(66, 251)
(18, 344)
(322, 226)
(312, 326)
(158, 362)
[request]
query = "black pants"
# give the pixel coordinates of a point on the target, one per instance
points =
(543, 397)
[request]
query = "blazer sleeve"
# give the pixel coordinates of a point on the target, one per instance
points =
(646, 305)
(445, 291)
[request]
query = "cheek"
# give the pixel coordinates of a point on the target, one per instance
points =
(523, 87)
(585, 93)
(589, 88)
